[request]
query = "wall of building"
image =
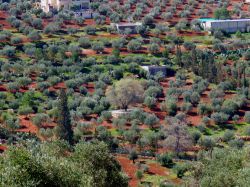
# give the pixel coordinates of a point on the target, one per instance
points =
(153, 70)
(122, 27)
(228, 25)
(82, 9)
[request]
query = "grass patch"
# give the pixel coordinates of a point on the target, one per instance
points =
(114, 132)
(156, 180)
(241, 128)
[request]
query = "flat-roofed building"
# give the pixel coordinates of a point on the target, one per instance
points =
(122, 27)
(49, 5)
(229, 26)
(154, 70)
(80, 8)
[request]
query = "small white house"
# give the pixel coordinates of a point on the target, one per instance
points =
(49, 5)
(117, 113)
(121, 27)
(80, 8)
(229, 26)
(153, 70)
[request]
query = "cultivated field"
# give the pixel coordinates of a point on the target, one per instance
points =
(201, 104)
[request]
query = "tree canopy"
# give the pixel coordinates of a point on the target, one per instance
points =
(54, 164)
(125, 92)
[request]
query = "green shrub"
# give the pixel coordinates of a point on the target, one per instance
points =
(228, 135)
(247, 117)
(166, 160)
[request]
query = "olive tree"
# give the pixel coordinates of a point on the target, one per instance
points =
(34, 36)
(247, 117)
(8, 51)
(134, 45)
(84, 42)
(125, 92)
(178, 138)
(98, 47)
(40, 119)
(219, 117)
(154, 48)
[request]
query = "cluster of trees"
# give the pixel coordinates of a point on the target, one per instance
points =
(208, 65)
(224, 167)
(88, 164)
(125, 92)
(220, 110)
(118, 12)
(51, 64)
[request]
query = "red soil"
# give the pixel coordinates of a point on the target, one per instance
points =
(3, 88)
(3, 22)
(23, 90)
(60, 85)
(107, 51)
(88, 52)
(49, 125)
(191, 33)
(107, 124)
(194, 120)
(70, 24)
(229, 95)
(33, 85)
(143, 127)
(52, 89)
(90, 87)
(204, 97)
(105, 35)
(27, 125)
(245, 138)
(157, 111)
(2, 148)
(157, 169)
(129, 168)
(89, 22)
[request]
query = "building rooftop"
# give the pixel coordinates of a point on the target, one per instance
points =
(206, 19)
(223, 20)
(154, 66)
(128, 24)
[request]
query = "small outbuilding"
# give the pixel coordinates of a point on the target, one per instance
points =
(153, 70)
(122, 27)
(117, 113)
(80, 8)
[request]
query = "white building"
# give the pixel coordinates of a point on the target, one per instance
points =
(154, 70)
(230, 26)
(49, 5)
(121, 27)
(78, 7)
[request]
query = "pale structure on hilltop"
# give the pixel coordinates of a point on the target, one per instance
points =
(78, 7)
